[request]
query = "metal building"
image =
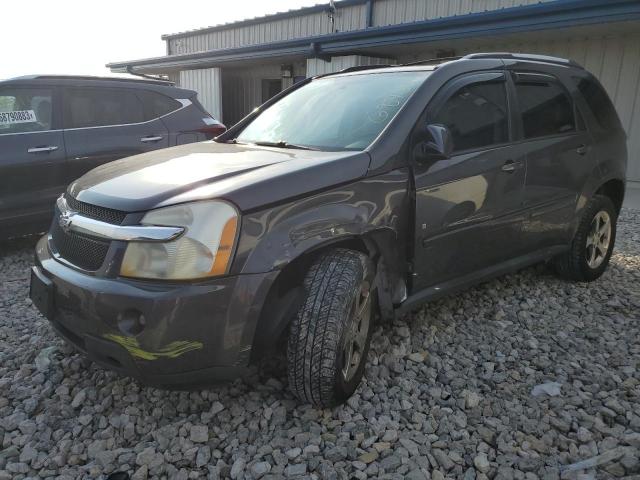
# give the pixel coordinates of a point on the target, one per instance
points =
(235, 67)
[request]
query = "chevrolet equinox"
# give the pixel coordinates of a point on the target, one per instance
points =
(347, 198)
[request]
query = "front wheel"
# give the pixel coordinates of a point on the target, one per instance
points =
(330, 334)
(592, 244)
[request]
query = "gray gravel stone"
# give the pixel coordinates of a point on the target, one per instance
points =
(447, 394)
(199, 433)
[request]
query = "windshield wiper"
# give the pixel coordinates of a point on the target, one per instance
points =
(283, 144)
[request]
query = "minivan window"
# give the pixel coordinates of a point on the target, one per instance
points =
(345, 112)
(25, 110)
(477, 116)
(599, 102)
(156, 105)
(546, 109)
(96, 107)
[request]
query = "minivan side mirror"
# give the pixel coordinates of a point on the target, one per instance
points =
(435, 143)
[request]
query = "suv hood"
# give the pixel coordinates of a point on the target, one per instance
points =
(247, 175)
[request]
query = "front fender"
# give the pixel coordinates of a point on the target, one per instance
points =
(275, 237)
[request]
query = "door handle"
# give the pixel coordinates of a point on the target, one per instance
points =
(51, 148)
(510, 166)
(151, 139)
(582, 149)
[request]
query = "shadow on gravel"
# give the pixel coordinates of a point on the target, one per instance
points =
(9, 247)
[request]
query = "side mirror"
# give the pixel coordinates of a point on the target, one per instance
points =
(435, 143)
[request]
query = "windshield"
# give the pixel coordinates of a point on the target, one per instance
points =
(334, 113)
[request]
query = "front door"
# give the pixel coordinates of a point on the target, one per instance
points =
(32, 155)
(469, 206)
(102, 125)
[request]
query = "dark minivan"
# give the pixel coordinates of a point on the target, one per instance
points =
(53, 129)
(346, 198)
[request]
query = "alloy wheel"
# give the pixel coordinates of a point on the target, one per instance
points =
(358, 330)
(598, 239)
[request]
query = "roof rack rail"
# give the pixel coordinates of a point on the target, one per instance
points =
(157, 81)
(525, 56)
(357, 68)
(432, 61)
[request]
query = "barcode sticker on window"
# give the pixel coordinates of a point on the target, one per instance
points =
(20, 116)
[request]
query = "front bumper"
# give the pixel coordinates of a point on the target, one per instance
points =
(191, 333)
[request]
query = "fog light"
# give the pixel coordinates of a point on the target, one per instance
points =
(131, 322)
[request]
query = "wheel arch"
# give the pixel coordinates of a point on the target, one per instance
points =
(613, 188)
(286, 292)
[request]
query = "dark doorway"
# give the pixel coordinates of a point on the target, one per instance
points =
(270, 88)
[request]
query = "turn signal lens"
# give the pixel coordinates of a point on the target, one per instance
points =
(203, 250)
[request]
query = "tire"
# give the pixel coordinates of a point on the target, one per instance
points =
(579, 263)
(338, 284)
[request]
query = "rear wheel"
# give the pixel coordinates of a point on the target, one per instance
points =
(330, 334)
(592, 244)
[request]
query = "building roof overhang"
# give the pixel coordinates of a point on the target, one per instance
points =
(559, 14)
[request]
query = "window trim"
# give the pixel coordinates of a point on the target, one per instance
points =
(455, 84)
(543, 78)
(186, 102)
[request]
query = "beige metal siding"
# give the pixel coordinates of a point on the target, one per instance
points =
(390, 12)
(242, 90)
(207, 82)
(615, 60)
(318, 23)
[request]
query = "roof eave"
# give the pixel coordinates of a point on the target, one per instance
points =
(497, 22)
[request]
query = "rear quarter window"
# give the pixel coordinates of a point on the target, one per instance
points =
(156, 105)
(598, 102)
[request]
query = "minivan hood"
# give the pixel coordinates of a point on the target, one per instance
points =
(249, 176)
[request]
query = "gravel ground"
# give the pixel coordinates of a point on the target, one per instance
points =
(521, 377)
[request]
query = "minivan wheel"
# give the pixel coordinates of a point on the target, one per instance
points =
(330, 334)
(592, 244)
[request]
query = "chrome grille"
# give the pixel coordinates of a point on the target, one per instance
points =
(80, 250)
(103, 214)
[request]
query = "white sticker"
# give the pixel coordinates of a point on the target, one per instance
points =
(20, 116)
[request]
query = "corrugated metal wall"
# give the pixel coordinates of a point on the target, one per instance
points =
(207, 82)
(348, 18)
(390, 12)
(353, 17)
(316, 66)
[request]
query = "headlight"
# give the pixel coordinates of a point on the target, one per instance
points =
(203, 250)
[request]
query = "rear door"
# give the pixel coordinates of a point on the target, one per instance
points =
(559, 157)
(32, 154)
(469, 206)
(105, 124)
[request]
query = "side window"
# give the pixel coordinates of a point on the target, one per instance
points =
(96, 107)
(25, 110)
(477, 115)
(599, 102)
(156, 105)
(546, 108)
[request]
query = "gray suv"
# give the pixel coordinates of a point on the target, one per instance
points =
(345, 199)
(53, 129)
